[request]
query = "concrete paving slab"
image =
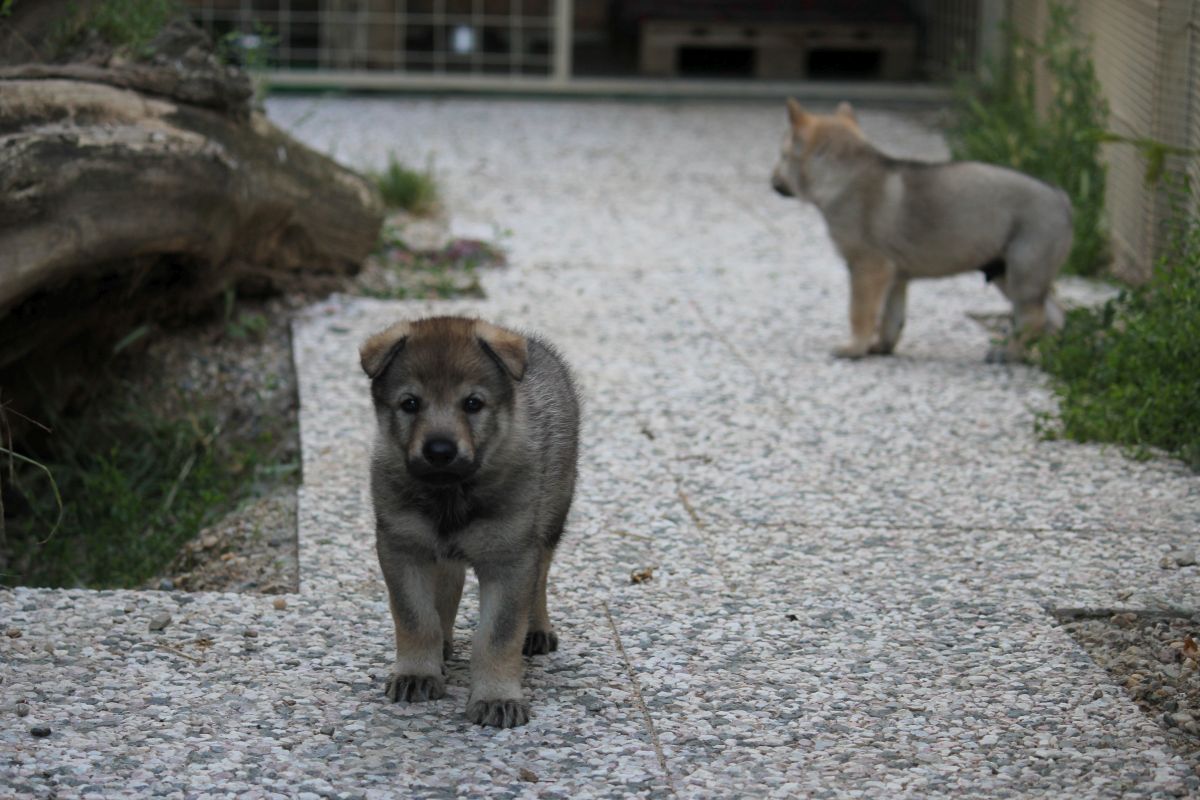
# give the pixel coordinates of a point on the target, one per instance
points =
(852, 562)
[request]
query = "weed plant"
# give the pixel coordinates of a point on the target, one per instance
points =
(997, 121)
(1129, 373)
(408, 189)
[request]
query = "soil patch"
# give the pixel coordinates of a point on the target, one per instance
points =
(1154, 658)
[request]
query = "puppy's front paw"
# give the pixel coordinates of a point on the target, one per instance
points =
(415, 688)
(539, 643)
(498, 713)
(852, 350)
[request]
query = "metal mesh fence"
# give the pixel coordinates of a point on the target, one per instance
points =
(439, 37)
(1147, 57)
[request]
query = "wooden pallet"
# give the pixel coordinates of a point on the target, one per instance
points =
(782, 51)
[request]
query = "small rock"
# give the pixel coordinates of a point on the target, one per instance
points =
(22, 710)
(166, 585)
(529, 776)
(1098, 694)
(250, 633)
(13, 633)
(40, 731)
(1171, 706)
(280, 604)
(160, 621)
(327, 730)
(1186, 559)
(1168, 720)
(1168, 562)
(641, 575)
(1168, 655)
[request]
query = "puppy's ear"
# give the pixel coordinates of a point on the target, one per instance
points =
(508, 349)
(799, 118)
(846, 111)
(379, 350)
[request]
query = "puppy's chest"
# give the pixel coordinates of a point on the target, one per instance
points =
(450, 510)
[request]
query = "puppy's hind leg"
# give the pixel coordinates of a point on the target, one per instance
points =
(450, 578)
(870, 277)
(892, 324)
(541, 638)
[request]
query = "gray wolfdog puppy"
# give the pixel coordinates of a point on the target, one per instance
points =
(897, 220)
(474, 464)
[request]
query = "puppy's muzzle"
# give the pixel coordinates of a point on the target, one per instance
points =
(781, 188)
(439, 452)
(441, 462)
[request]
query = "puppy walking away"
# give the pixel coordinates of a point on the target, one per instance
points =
(896, 220)
(474, 465)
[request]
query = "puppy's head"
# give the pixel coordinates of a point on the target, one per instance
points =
(813, 136)
(443, 389)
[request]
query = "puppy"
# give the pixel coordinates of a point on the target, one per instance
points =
(895, 220)
(474, 465)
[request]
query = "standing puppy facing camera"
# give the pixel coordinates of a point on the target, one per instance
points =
(473, 465)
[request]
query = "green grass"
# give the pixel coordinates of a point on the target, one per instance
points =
(405, 188)
(125, 24)
(997, 121)
(134, 487)
(1129, 373)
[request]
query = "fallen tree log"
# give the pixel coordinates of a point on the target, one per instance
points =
(134, 190)
(105, 189)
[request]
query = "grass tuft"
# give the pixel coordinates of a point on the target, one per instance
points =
(125, 24)
(408, 189)
(115, 492)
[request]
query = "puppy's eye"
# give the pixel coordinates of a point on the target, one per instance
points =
(410, 405)
(472, 405)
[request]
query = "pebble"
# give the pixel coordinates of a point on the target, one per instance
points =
(13, 633)
(40, 731)
(22, 709)
(527, 775)
(280, 604)
(160, 621)
(327, 730)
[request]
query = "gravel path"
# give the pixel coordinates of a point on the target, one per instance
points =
(853, 564)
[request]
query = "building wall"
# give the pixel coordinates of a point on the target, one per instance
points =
(1147, 58)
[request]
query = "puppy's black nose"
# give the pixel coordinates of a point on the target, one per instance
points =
(439, 452)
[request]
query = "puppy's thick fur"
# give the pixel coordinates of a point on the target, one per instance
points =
(474, 465)
(896, 220)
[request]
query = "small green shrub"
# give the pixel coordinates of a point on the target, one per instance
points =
(408, 189)
(125, 24)
(997, 121)
(1129, 373)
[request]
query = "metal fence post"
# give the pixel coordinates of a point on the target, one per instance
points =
(563, 40)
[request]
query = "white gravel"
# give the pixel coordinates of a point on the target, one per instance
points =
(853, 561)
